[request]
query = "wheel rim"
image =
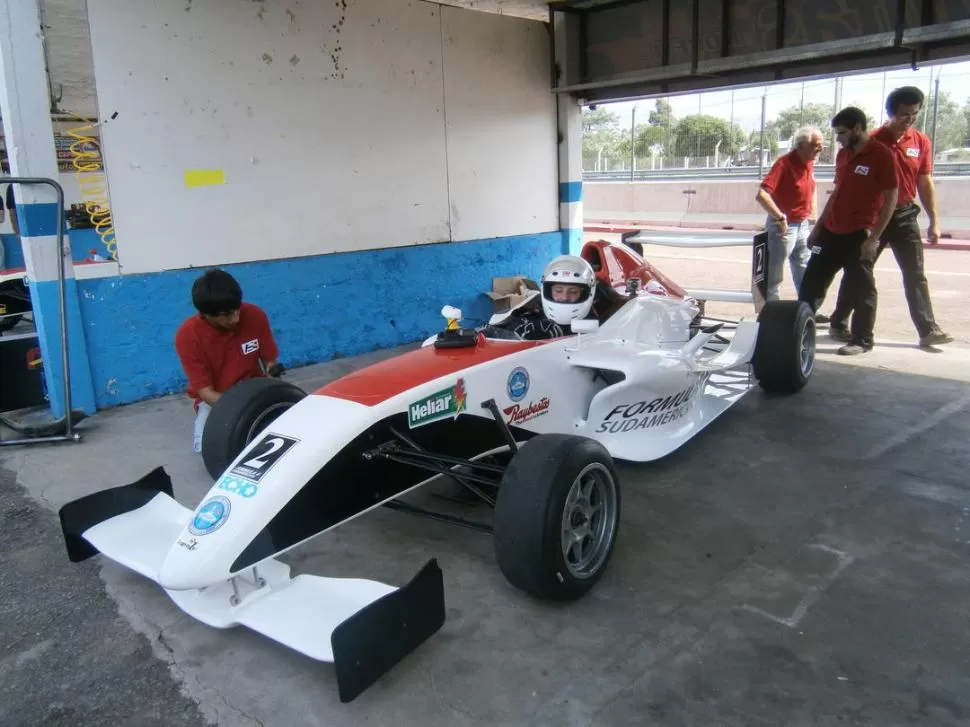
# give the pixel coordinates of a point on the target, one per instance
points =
(265, 418)
(807, 349)
(589, 521)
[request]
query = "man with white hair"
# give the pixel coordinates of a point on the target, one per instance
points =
(789, 197)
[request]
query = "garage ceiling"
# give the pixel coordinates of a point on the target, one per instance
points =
(624, 49)
(531, 9)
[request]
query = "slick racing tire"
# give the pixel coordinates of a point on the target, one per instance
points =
(240, 415)
(784, 355)
(557, 516)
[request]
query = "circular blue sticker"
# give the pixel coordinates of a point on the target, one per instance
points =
(518, 384)
(210, 516)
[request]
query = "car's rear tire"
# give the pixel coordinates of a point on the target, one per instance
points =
(240, 415)
(784, 356)
(557, 516)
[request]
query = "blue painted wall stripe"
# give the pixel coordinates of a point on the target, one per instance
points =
(37, 219)
(82, 242)
(45, 301)
(572, 239)
(570, 192)
(320, 307)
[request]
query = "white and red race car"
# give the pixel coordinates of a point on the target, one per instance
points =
(530, 428)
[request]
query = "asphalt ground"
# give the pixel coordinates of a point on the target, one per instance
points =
(803, 562)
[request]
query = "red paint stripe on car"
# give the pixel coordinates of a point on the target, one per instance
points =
(381, 381)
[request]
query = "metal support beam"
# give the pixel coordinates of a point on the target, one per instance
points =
(725, 28)
(695, 35)
(780, 25)
(880, 42)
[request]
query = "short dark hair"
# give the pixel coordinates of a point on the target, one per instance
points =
(216, 292)
(905, 95)
(850, 117)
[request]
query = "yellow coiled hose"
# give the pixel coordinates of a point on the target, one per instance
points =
(85, 156)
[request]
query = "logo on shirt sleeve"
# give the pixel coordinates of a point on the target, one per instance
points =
(862, 169)
(913, 152)
(250, 347)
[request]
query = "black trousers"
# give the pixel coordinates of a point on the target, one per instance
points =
(903, 236)
(830, 254)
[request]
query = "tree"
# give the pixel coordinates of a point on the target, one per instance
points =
(599, 119)
(662, 114)
(951, 123)
(966, 124)
(647, 138)
(698, 136)
(601, 136)
(771, 141)
(811, 114)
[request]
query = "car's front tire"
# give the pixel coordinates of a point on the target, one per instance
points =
(784, 356)
(240, 415)
(557, 516)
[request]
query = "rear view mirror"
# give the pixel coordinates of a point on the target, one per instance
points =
(585, 325)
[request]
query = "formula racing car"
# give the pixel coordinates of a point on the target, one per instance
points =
(530, 428)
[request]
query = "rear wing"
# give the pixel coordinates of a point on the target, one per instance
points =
(758, 243)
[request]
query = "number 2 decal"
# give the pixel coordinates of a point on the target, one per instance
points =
(261, 460)
(263, 456)
(758, 271)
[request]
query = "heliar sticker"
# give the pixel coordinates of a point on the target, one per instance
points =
(442, 404)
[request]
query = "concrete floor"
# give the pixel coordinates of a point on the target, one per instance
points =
(803, 562)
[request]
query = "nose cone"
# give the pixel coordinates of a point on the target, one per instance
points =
(191, 562)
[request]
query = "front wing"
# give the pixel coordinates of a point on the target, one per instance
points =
(363, 627)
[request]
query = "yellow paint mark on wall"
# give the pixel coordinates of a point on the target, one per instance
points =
(204, 177)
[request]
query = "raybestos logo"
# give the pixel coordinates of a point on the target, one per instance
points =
(442, 404)
(519, 414)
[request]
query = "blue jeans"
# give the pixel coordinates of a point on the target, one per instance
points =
(790, 246)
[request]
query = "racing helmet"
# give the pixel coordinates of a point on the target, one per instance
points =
(571, 270)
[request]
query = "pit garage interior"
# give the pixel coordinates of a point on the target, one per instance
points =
(357, 164)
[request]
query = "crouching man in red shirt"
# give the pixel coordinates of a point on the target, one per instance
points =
(228, 341)
(847, 235)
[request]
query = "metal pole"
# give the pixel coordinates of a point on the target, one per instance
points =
(882, 111)
(633, 142)
(65, 362)
(936, 108)
(835, 110)
(761, 146)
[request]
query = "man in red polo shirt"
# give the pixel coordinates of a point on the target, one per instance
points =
(789, 197)
(914, 159)
(228, 341)
(855, 216)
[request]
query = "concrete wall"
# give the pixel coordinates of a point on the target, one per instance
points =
(378, 124)
(70, 66)
(723, 202)
(70, 72)
(380, 157)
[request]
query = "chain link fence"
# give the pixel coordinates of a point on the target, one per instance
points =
(747, 129)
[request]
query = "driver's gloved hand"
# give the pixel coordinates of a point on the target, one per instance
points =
(276, 370)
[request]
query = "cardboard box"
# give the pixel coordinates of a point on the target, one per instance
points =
(510, 293)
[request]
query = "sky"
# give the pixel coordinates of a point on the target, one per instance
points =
(865, 90)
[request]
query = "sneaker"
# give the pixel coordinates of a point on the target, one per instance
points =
(840, 333)
(935, 338)
(822, 318)
(853, 349)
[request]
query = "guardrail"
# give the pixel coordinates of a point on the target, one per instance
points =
(823, 172)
